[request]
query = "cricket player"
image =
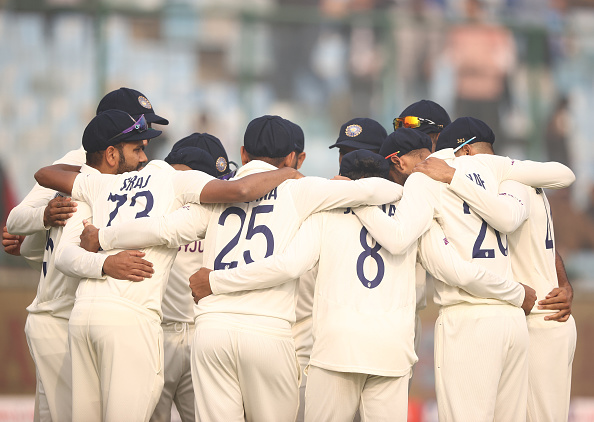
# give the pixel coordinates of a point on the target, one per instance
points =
(533, 259)
(114, 328)
(481, 326)
(428, 117)
(364, 304)
(244, 363)
(194, 152)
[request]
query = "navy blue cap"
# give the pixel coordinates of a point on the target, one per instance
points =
(298, 136)
(462, 130)
(195, 158)
(427, 109)
(361, 133)
(212, 145)
(403, 141)
(269, 136)
(132, 102)
(105, 129)
(364, 161)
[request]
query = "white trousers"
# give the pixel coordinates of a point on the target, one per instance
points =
(333, 396)
(117, 361)
(481, 368)
(550, 358)
(244, 373)
(47, 337)
(177, 344)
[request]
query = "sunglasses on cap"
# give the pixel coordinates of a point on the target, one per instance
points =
(139, 125)
(412, 122)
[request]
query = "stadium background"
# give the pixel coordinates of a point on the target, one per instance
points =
(213, 65)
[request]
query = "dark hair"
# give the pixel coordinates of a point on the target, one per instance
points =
(94, 158)
(366, 167)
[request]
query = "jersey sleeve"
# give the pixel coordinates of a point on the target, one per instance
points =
(33, 247)
(549, 175)
(188, 185)
(300, 255)
(27, 217)
(413, 216)
(504, 211)
(71, 259)
(175, 229)
(315, 194)
(442, 261)
(86, 186)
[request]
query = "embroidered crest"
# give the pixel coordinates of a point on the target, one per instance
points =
(144, 102)
(460, 140)
(221, 164)
(353, 130)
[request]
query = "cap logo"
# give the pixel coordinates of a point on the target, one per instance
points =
(144, 102)
(460, 140)
(221, 164)
(353, 130)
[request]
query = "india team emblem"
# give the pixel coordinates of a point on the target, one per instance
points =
(221, 164)
(144, 102)
(353, 130)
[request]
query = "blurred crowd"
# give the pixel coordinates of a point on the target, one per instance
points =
(522, 66)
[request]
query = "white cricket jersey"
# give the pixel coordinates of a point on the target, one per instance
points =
(56, 290)
(155, 190)
(27, 217)
(178, 303)
(364, 301)
(532, 248)
(243, 232)
(356, 288)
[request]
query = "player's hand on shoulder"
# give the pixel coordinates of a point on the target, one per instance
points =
(529, 298)
(89, 238)
(11, 242)
(436, 168)
(58, 211)
(559, 299)
(200, 284)
(128, 265)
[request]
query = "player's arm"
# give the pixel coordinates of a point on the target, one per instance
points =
(550, 175)
(441, 259)
(38, 212)
(504, 211)
(298, 257)
(323, 194)
(74, 261)
(178, 228)
(248, 188)
(59, 177)
(413, 217)
(560, 298)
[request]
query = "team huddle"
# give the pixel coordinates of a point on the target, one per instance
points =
(259, 294)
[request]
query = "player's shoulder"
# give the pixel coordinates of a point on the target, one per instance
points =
(75, 157)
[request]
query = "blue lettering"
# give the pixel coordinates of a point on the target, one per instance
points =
(392, 210)
(146, 183)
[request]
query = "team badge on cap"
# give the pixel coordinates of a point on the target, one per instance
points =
(221, 164)
(353, 130)
(144, 102)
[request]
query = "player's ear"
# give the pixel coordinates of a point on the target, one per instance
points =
(112, 156)
(300, 159)
(397, 163)
(244, 156)
(467, 150)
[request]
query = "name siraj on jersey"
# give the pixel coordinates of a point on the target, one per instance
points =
(135, 182)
